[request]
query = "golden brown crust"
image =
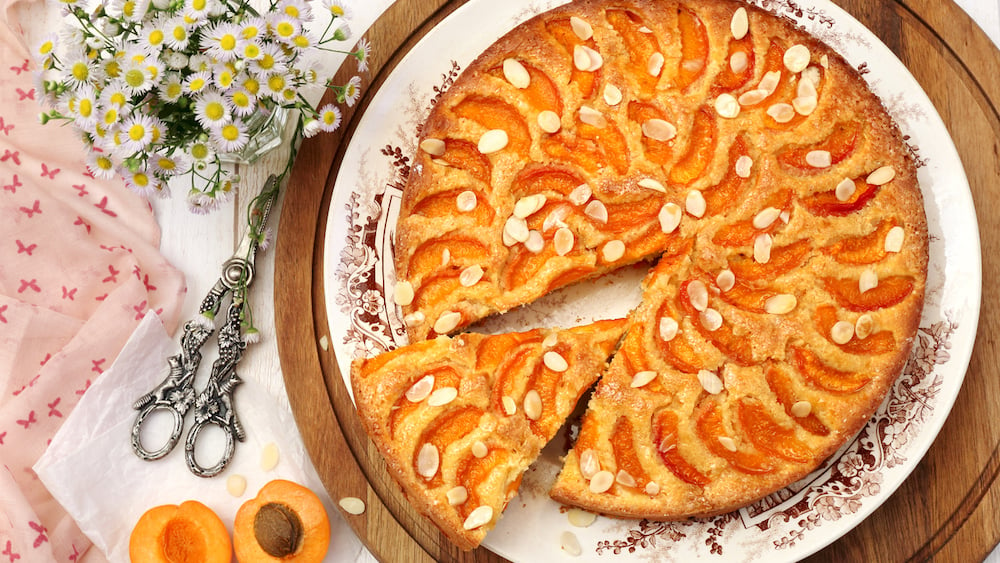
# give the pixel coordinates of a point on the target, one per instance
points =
(488, 376)
(787, 174)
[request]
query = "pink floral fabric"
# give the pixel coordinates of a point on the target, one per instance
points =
(79, 267)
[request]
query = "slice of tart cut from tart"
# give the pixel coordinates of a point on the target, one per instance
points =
(459, 419)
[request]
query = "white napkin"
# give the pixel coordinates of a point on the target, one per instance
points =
(91, 470)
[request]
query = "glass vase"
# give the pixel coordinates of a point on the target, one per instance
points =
(266, 129)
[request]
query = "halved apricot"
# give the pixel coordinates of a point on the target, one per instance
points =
(769, 436)
(882, 342)
(544, 178)
(445, 204)
(664, 430)
(825, 377)
(864, 249)
(640, 46)
(743, 233)
(784, 259)
(494, 113)
(459, 250)
(781, 385)
(840, 144)
(472, 472)
(541, 92)
(700, 150)
(655, 150)
(729, 80)
(446, 428)
(712, 431)
(890, 291)
(444, 376)
(626, 458)
(186, 533)
(465, 155)
(569, 276)
(724, 195)
(495, 349)
(738, 349)
(562, 31)
(284, 522)
(694, 48)
(827, 204)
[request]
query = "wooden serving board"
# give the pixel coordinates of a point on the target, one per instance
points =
(946, 510)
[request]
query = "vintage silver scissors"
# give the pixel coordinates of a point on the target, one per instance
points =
(214, 405)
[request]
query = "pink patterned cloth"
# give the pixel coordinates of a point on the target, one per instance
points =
(79, 267)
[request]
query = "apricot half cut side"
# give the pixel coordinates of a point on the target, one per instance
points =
(284, 522)
(187, 533)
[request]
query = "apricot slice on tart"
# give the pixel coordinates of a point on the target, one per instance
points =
(284, 522)
(187, 533)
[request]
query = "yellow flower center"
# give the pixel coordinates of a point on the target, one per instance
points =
(128, 9)
(157, 132)
(199, 151)
(250, 32)
(156, 37)
(174, 90)
(252, 86)
(140, 179)
(227, 42)
(240, 99)
(86, 107)
(288, 95)
(199, 5)
(292, 11)
(179, 33)
(285, 29)
(46, 48)
(104, 163)
(266, 62)
(112, 68)
(134, 78)
(230, 132)
(165, 163)
(215, 111)
(80, 71)
(329, 118)
(197, 84)
(110, 116)
(276, 82)
(251, 51)
(301, 41)
(337, 11)
(136, 132)
(118, 99)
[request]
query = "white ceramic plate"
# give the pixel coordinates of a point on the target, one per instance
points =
(785, 526)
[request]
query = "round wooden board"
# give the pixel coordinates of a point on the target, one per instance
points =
(945, 510)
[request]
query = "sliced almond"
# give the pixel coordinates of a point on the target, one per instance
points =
(769, 83)
(428, 460)
(580, 518)
(641, 378)
(766, 217)
(625, 478)
(645, 29)
(651, 184)
(532, 405)
(492, 141)
(743, 166)
(447, 322)
(726, 105)
(654, 66)
(842, 332)
(549, 121)
(421, 389)
(236, 485)
(668, 328)
(445, 257)
(864, 326)
(809, 82)
(726, 280)
(796, 58)
(563, 241)
(670, 217)
(894, 239)
(466, 201)
(762, 248)
(414, 318)
(509, 406)
(781, 304)
(516, 74)
(819, 159)
(805, 105)
(596, 211)
(479, 449)
(659, 129)
(433, 147)
(581, 28)
(590, 464)
(612, 95)
(739, 25)
(550, 340)
(403, 293)
(601, 482)
(516, 228)
(728, 443)
(529, 205)
(753, 97)
(554, 361)
(652, 488)
(698, 293)
(478, 518)
(535, 242)
(782, 112)
(868, 280)
(591, 116)
(556, 218)
(580, 194)
(801, 409)
(845, 189)
(785, 216)
(457, 495)
(881, 176)
(471, 275)
(710, 319)
(442, 397)
(569, 543)
(739, 62)
(587, 59)
(352, 505)
(613, 250)
(695, 203)
(710, 382)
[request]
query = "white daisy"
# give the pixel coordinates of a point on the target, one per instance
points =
(274, 84)
(296, 9)
(272, 59)
(198, 82)
(337, 8)
(99, 164)
(174, 164)
(221, 41)
(242, 102)
(129, 10)
(152, 35)
(230, 137)
(137, 132)
(174, 60)
(109, 116)
(249, 50)
(352, 90)
(86, 107)
(177, 33)
(253, 28)
(140, 73)
(199, 62)
(116, 94)
(200, 151)
(311, 127)
(362, 54)
(224, 76)
(79, 70)
(141, 182)
(198, 10)
(172, 87)
(329, 118)
(46, 49)
(211, 109)
(283, 27)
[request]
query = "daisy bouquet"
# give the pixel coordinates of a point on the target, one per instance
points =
(161, 89)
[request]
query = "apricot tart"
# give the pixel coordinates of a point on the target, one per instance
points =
(745, 156)
(458, 420)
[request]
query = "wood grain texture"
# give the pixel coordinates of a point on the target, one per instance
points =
(946, 510)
